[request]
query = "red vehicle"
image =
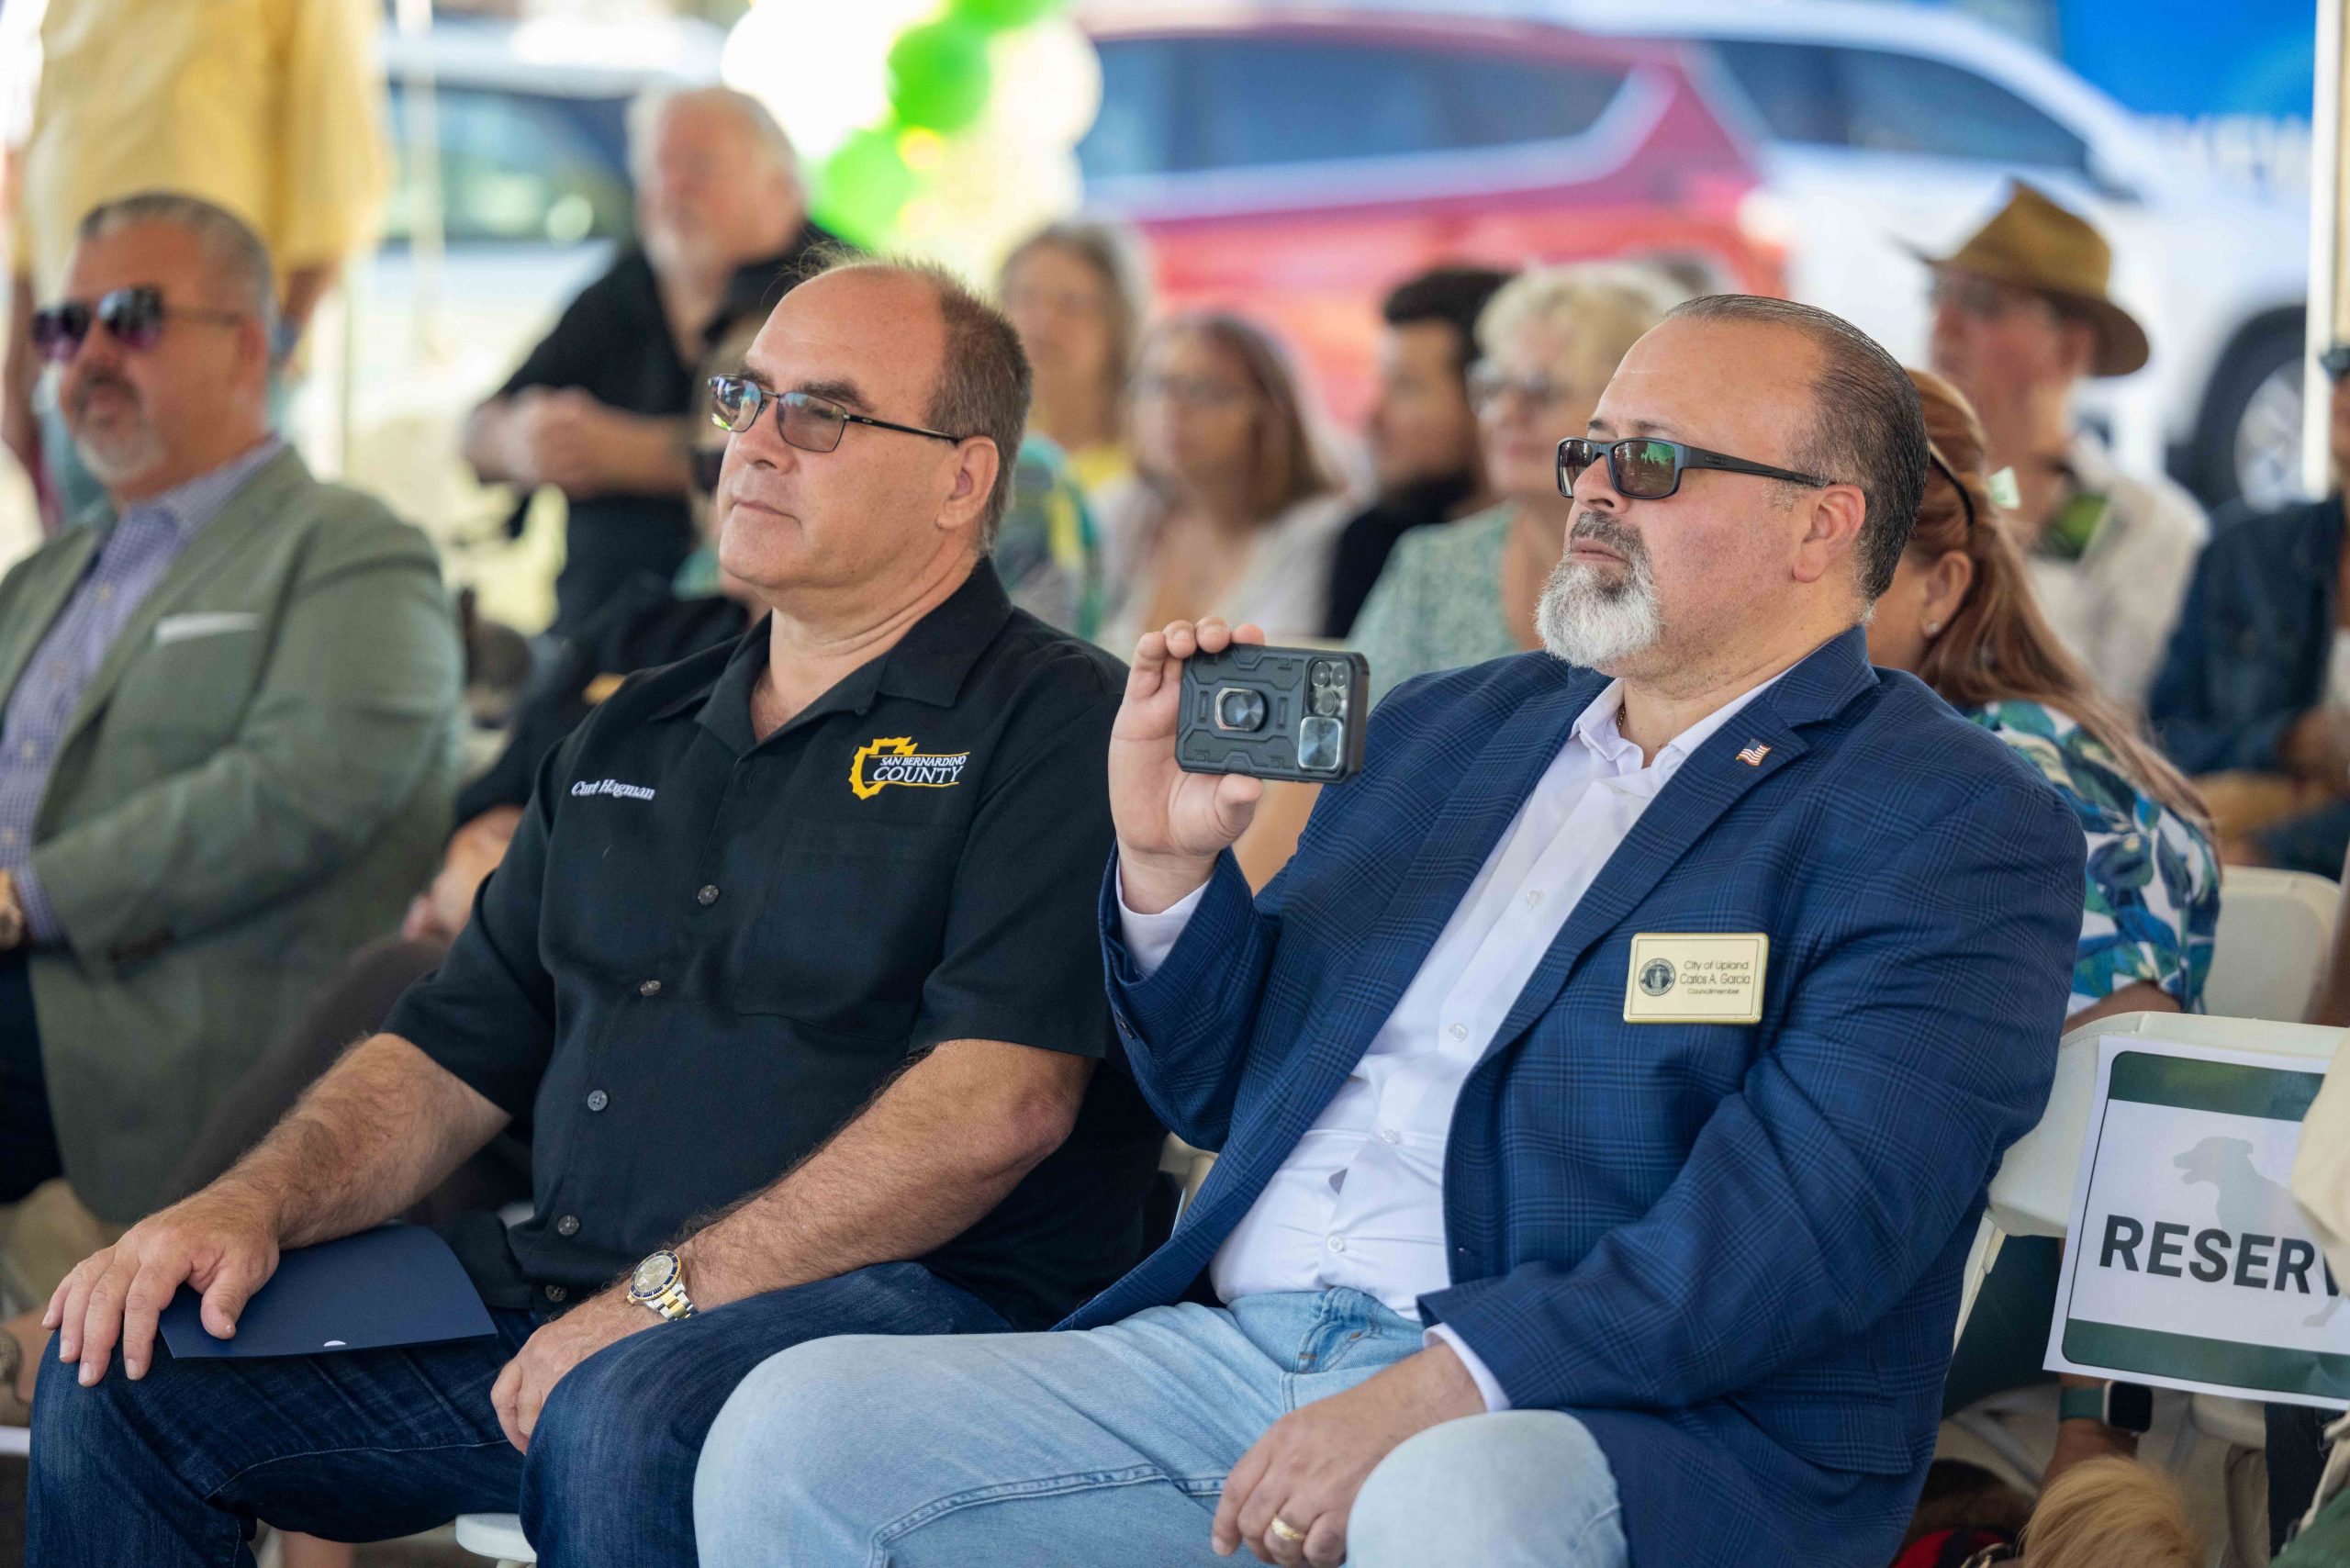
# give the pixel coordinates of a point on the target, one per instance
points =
(1295, 164)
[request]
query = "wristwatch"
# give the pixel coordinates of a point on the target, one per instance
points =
(659, 1283)
(2126, 1406)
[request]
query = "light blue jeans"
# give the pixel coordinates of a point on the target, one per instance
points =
(1110, 1447)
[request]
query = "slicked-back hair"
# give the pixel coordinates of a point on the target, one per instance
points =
(1866, 426)
(983, 378)
(234, 256)
(1455, 296)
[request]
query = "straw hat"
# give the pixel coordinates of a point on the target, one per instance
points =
(2034, 243)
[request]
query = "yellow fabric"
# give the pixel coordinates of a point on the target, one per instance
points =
(2322, 1171)
(271, 108)
(1098, 467)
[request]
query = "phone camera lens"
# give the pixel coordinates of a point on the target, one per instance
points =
(1237, 708)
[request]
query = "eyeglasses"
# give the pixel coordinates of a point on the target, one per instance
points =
(1645, 469)
(806, 421)
(2336, 362)
(133, 316)
(1489, 384)
(1195, 391)
(1983, 298)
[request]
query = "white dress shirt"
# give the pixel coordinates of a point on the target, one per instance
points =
(1359, 1202)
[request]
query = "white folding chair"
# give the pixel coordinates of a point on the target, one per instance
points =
(2275, 929)
(2032, 1194)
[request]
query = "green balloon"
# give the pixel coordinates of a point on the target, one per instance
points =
(938, 75)
(867, 184)
(1001, 16)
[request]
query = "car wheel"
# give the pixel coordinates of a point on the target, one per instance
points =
(2248, 441)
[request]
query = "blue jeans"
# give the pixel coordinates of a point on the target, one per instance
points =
(1111, 1445)
(173, 1469)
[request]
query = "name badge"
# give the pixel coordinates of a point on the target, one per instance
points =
(1696, 978)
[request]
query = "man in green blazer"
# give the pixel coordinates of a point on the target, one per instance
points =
(228, 703)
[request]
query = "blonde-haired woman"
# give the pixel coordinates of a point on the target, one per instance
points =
(1464, 592)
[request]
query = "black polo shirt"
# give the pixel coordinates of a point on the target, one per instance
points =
(704, 953)
(613, 343)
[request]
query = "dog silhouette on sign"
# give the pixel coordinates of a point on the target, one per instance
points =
(2247, 1202)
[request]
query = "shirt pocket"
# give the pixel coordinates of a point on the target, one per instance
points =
(854, 924)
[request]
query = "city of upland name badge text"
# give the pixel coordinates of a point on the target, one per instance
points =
(893, 760)
(1696, 977)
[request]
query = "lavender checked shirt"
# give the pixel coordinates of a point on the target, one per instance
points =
(140, 549)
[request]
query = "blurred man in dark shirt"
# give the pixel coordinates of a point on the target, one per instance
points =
(599, 409)
(1423, 432)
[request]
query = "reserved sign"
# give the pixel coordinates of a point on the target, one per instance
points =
(2187, 1264)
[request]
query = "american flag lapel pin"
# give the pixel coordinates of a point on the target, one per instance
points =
(1754, 752)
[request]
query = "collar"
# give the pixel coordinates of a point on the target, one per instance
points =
(758, 284)
(1598, 728)
(185, 508)
(2089, 463)
(927, 665)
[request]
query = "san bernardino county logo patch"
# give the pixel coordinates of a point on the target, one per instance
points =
(894, 760)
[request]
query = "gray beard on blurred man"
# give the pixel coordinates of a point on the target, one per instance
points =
(117, 449)
(1594, 615)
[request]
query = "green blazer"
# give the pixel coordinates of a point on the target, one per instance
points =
(257, 780)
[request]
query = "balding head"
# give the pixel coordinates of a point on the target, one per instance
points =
(717, 182)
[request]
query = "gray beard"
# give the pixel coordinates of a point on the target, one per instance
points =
(122, 454)
(1585, 619)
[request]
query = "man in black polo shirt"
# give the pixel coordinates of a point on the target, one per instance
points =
(600, 409)
(788, 972)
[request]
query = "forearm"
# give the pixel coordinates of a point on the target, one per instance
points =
(385, 1127)
(648, 457)
(305, 286)
(486, 440)
(941, 1146)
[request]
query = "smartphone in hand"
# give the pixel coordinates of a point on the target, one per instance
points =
(1274, 713)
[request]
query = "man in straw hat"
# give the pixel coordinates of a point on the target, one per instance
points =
(2022, 314)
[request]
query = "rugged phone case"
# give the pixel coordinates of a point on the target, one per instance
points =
(1284, 681)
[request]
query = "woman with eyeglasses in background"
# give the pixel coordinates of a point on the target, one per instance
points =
(1465, 593)
(1234, 510)
(1962, 617)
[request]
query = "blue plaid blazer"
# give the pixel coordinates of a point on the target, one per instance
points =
(1733, 1251)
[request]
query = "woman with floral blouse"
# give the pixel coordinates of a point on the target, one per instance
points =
(1960, 616)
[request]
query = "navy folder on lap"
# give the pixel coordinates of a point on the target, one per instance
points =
(398, 1284)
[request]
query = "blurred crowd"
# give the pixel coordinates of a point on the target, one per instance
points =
(255, 770)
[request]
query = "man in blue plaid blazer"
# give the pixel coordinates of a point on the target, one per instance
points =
(1606, 1089)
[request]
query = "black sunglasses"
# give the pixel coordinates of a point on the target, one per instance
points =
(808, 423)
(133, 316)
(1645, 469)
(2336, 362)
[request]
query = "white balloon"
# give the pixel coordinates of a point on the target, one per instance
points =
(1047, 83)
(821, 69)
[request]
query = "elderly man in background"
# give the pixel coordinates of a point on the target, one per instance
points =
(2022, 313)
(600, 409)
(230, 697)
(272, 110)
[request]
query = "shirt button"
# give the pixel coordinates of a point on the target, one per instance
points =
(556, 1292)
(9, 836)
(707, 896)
(106, 593)
(598, 1098)
(1533, 897)
(650, 988)
(1389, 1135)
(567, 1225)
(1337, 1244)
(1458, 1031)
(29, 750)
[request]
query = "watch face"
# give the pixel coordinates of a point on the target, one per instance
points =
(653, 1276)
